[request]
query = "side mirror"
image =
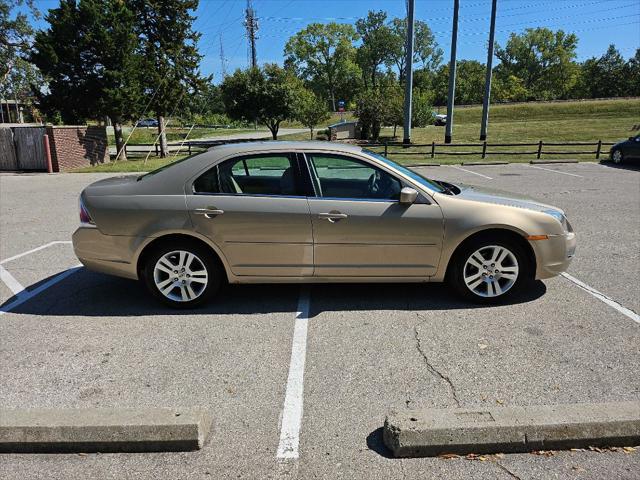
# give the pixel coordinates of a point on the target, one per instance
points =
(408, 196)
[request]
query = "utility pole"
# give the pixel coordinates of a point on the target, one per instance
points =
(251, 24)
(223, 61)
(408, 86)
(452, 73)
(487, 82)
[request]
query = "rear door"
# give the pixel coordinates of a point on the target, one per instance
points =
(360, 228)
(254, 208)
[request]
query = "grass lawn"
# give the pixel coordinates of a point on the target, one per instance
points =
(580, 121)
(147, 135)
(133, 164)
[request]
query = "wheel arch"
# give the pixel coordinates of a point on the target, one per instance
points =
(497, 232)
(168, 237)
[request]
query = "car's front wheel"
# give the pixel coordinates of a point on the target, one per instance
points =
(617, 156)
(489, 270)
(182, 275)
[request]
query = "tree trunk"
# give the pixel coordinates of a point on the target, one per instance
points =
(274, 127)
(395, 125)
(333, 100)
(311, 132)
(163, 137)
(117, 133)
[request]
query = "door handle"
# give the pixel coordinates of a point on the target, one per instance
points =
(333, 217)
(208, 212)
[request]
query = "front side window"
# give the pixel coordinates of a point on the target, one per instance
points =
(256, 175)
(342, 177)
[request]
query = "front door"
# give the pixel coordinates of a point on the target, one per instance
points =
(253, 209)
(361, 230)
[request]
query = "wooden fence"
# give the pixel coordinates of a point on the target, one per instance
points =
(485, 149)
(22, 148)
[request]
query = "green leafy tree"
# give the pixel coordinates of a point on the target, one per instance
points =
(470, 77)
(15, 34)
(324, 56)
(425, 51)
(542, 59)
(310, 110)
(375, 107)
(606, 76)
(267, 95)
(88, 53)
(168, 45)
(377, 45)
(633, 74)
(508, 89)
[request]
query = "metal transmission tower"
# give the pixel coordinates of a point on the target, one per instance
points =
(223, 60)
(251, 24)
(487, 83)
(409, 73)
(452, 73)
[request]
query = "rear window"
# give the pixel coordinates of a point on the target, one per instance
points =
(167, 166)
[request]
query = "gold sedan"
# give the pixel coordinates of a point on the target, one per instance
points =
(306, 212)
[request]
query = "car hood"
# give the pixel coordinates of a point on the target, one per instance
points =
(500, 197)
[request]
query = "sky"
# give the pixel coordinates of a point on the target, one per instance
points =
(597, 23)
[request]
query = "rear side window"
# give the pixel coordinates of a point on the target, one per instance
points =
(256, 175)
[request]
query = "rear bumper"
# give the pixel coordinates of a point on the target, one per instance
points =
(110, 254)
(554, 255)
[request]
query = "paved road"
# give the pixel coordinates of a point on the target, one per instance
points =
(92, 340)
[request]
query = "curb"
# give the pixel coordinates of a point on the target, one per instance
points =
(102, 430)
(555, 161)
(425, 165)
(431, 432)
(487, 163)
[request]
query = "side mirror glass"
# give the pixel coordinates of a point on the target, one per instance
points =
(408, 195)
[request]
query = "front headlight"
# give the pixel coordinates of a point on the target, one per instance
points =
(561, 218)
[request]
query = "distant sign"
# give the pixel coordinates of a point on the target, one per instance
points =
(341, 105)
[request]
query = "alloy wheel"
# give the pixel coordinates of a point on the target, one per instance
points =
(617, 156)
(491, 271)
(180, 276)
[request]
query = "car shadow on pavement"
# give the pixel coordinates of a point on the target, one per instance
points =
(87, 293)
(628, 165)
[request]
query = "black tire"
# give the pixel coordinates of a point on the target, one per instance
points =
(204, 258)
(458, 266)
(617, 156)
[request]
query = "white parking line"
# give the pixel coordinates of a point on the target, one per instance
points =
(29, 294)
(603, 298)
(555, 171)
(42, 247)
(293, 400)
(469, 171)
(10, 281)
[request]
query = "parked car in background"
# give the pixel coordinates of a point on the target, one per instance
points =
(305, 212)
(625, 150)
(147, 122)
(439, 119)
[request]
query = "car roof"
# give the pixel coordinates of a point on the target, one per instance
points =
(279, 145)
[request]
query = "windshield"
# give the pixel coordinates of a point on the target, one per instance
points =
(164, 167)
(424, 181)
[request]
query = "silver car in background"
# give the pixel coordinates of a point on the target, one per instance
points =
(306, 212)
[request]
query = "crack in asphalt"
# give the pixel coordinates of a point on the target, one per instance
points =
(507, 471)
(432, 369)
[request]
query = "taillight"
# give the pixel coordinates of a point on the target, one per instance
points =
(84, 214)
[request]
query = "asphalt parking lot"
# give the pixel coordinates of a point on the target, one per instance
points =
(90, 340)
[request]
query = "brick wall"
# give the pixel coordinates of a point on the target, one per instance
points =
(75, 147)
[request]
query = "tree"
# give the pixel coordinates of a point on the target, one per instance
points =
(310, 110)
(374, 108)
(323, 55)
(377, 44)
(469, 83)
(606, 76)
(633, 74)
(268, 95)
(171, 59)
(15, 34)
(543, 59)
(89, 55)
(425, 50)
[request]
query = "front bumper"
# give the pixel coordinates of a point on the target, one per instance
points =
(553, 255)
(110, 254)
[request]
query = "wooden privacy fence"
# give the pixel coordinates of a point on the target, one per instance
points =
(22, 148)
(537, 149)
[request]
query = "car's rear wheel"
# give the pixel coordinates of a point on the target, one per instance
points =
(617, 156)
(489, 270)
(182, 275)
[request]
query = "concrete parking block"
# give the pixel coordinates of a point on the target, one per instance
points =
(102, 430)
(430, 432)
